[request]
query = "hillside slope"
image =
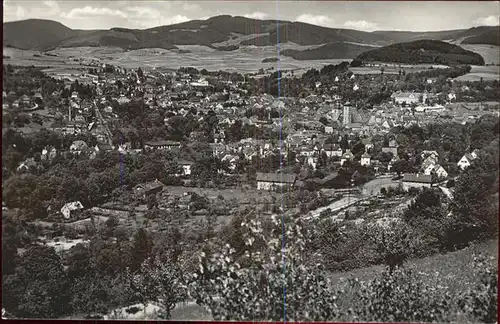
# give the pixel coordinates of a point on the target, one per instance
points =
(44, 34)
(422, 52)
(491, 37)
(337, 50)
(35, 33)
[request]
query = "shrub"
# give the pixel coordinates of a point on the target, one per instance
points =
(399, 296)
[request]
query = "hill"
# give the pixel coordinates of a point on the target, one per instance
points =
(490, 37)
(337, 50)
(35, 33)
(232, 31)
(422, 52)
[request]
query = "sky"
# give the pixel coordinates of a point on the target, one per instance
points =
(360, 15)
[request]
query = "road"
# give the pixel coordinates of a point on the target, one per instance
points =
(369, 189)
(335, 206)
(104, 123)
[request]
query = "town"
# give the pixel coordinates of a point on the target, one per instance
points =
(250, 161)
(112, 151)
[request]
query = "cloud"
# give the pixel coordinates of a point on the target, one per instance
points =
(318, 20)
(361, 25)
(142, 12)
(88, 11)
(191, 7)
(174, 20)
(257, 15)
(53, 6)
(488, 21)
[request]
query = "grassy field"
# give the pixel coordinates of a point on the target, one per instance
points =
(450, 270)
(394, 69)
(490, 53)
(246, 59)
(491, 72)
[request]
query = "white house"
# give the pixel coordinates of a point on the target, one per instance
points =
(71, 208)
(267, 181)
(406, 97)
(440, 172)
(332, 150)
(347, 156)
(466, 161)
(312, 161)
(365, 159)
(328, 130)
(186, 167)
(78, 146)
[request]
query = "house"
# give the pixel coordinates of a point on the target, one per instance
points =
(367, 142)
(440, 172)
(416, 181)
(149, 188)
(71, 209)
(312, 161)
(26, 165)
(426, 154)
(332, 150)
(347, 156)
(328, 130)
(186, 167)
(161, 145)
(392, 148)
(123, 100)
(49, 152)
(78, 147)
(103, 147)
(466, 161)
(365, 159)
(269, 181)
(406, 97)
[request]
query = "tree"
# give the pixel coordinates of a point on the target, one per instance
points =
(252, 288)
(158, 282)
(323, 120)
(141, 248)
(39, 287)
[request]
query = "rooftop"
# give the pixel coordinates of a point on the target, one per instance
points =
(276, 177)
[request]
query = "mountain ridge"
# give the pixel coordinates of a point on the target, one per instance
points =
(42, 34)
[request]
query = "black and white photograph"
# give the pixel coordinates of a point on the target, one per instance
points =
(270, 161)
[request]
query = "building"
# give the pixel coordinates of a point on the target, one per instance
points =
(416, 181)
(78, 147)
(270, 181)
(365, 159)
(328, 130)
(347, 156)
(71, 209)
(161, 145)
(406, 97)
(347, 114)
(149, 188)
(466, 161)
(392, 148)
(186, 167)
(332, 150)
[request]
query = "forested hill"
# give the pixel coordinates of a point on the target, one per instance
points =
(422, 52)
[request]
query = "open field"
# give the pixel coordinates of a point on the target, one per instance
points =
(394, 68)
(242, 195)
(246, 59)
(450, 270)
(490, 72)
(490, 53)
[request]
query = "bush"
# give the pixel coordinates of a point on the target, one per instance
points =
(399, 296)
